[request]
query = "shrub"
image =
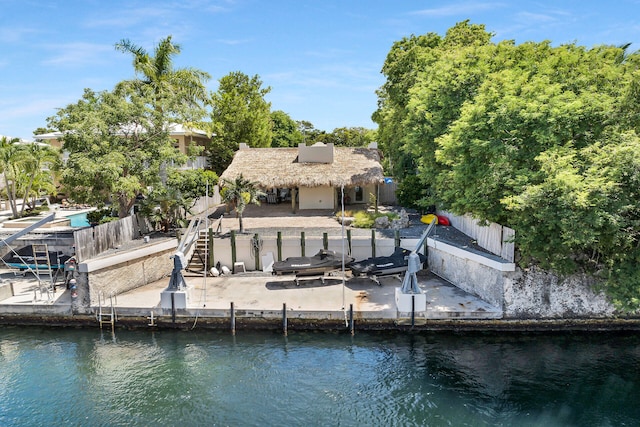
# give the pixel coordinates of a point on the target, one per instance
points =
(363, 219)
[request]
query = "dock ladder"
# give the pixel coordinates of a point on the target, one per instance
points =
(42, 262)
(107, 316)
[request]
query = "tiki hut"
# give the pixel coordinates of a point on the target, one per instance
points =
(311, 177)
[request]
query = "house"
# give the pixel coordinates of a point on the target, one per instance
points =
(182, 136)
(311, 177)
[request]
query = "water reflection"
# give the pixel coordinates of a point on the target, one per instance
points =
(205, 378)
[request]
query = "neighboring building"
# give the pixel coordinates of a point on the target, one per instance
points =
(311, 177)
(182, 136)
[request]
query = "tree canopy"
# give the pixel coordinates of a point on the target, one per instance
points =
(114, 154)
(539, 138)
(240, 114)
(285, 130)
(179, 93)
(118, 141)
(26, 172)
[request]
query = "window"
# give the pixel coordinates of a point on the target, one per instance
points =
(359, 194)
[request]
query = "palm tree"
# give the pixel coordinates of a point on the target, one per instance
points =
(10, 155)
(183, 86)
(240, 193)
(36, 156)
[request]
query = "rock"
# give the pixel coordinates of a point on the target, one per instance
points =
(347, 221)
(402, 222)
(381, 222)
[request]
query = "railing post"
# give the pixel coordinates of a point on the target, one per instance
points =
(302, 243)
(325, 241)
(211, 259)
(279, 241)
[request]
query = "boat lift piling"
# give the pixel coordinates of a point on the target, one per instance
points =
(351, 323)
(232, 315)
(284, 318)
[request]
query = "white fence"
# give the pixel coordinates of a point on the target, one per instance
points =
(495, 238)
(361, 248)
(204, 204)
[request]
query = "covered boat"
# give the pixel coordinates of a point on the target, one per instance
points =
(25, 259)
(322, 262)
(395, 263)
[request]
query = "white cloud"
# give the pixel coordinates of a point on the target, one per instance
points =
(15, 34)
(457, 9)
(79, 53)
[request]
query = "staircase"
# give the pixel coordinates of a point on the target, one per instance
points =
(198, 260)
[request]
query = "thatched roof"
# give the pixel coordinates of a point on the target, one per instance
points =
(279, 168)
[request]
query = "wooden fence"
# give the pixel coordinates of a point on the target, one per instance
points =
(387, 193)
(493, 237)
(90, 242)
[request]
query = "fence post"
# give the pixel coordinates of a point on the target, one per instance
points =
(233, 247)
(325, 241)
(279, 245)
(349, 240)
(373, 243)
(302, 242)
(256, 250)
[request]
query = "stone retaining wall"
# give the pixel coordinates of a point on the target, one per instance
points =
(102, 278)
(536, 293)
(530, 294)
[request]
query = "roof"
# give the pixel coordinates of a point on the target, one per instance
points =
(175, 129)
(279, 168)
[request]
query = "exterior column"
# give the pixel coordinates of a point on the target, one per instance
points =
(294, 194)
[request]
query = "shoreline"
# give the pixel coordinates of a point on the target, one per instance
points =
(275, 324)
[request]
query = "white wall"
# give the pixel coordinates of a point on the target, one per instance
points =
(316, 198)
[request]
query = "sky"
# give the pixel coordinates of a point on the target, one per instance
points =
(321, 58)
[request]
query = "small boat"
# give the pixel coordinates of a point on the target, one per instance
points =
(322, 262)
(395, 263)
(25, 259)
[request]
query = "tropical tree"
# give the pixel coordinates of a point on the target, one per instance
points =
(27, 172)
(539, 138)
(310, 134)
(38, 161)
(239, 193)
(191, 184)
(178, 93)
(285, 130)
(10, 154)
(349, 137)
(239, 114)
(114, 155)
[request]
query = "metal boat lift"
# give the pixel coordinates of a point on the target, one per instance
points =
(37, 249)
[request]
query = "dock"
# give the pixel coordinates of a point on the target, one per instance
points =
(258, 301)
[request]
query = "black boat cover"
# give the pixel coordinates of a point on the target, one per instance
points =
(382, 265)
(23, 258)
(323, 261)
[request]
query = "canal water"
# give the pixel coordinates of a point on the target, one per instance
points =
(85, 377)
